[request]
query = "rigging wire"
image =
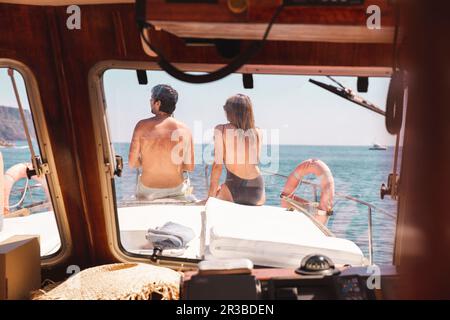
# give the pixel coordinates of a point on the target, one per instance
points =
(22, 113)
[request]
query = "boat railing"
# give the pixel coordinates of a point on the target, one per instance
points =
(314, 188)
(139, 202)
(27, 189)
(370, 207)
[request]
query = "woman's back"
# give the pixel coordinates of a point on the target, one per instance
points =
(241, 151)
(237, 145)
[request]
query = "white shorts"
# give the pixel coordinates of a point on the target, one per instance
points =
(145, 193)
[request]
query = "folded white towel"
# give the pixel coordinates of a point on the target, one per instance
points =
(170, 236)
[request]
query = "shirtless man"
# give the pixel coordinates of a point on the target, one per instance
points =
(162, 146)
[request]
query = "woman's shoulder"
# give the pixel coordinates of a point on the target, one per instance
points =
(223, 126)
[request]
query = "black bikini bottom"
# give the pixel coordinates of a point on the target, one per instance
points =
(248, 192)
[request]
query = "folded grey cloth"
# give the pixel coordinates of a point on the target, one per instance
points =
(170, 236)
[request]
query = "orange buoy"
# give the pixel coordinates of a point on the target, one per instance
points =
(320, 170)
(16, 173)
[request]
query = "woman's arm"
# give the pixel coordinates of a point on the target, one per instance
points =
(216, 170)
(215, 177)
(260, 144)
(188, 153)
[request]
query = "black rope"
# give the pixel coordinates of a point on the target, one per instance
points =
(221, 73)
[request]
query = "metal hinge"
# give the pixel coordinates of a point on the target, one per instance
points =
(119, 166)
(39, 168)
(391, 188)
(157, 251)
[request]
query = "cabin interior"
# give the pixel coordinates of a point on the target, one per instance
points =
(62, 62)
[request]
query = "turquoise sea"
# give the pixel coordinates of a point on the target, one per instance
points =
(21, 154)
(358, 172)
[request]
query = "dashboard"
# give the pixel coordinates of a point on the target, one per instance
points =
(282, 284)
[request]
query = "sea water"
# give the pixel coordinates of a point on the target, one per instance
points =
(358, 172)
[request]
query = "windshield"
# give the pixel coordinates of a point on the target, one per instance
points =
(295, 121)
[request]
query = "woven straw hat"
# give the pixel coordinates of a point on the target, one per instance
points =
(121, 281)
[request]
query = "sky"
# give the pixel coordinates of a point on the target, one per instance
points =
(288, 109)
(7, 97)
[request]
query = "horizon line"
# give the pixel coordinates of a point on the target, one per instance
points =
(298, 144)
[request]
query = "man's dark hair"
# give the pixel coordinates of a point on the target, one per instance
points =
(168, 97)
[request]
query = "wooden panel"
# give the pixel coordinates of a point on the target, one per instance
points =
(282, 53)
(293, 70)
(25, 38)
(295, 23)
(199, 12)
(261, 11)
(64, 2)
(423, 237)
(284, 32)
(61, 60)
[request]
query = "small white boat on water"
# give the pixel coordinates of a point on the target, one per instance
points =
(377, 146)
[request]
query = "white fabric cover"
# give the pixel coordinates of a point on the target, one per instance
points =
(40, 224)
(271, 236)
(134, 223)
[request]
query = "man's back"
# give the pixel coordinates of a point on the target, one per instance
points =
(164, 147)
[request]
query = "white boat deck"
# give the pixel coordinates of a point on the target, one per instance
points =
(267, 235)
(39, 224)
(271, 236)
(135, 221)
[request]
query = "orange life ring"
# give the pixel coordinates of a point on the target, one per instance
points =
(319, 169)
(14, 174)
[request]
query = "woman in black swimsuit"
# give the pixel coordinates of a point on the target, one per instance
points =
(237, 144)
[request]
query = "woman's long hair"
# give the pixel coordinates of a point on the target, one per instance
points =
(239, 112)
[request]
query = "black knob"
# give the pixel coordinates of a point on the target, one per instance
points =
(31, 173)
(383, 191)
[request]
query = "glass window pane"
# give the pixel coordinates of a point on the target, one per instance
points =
(298, 121)
(27, 203)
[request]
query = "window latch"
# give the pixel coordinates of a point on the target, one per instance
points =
(156, 252)
(39, 168)
(119, 166)
(391, 188)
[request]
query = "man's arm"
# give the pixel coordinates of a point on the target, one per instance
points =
(216, 170)
(134, 157)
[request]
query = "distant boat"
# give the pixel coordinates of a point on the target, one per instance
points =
(7, 144)
(377, 147)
